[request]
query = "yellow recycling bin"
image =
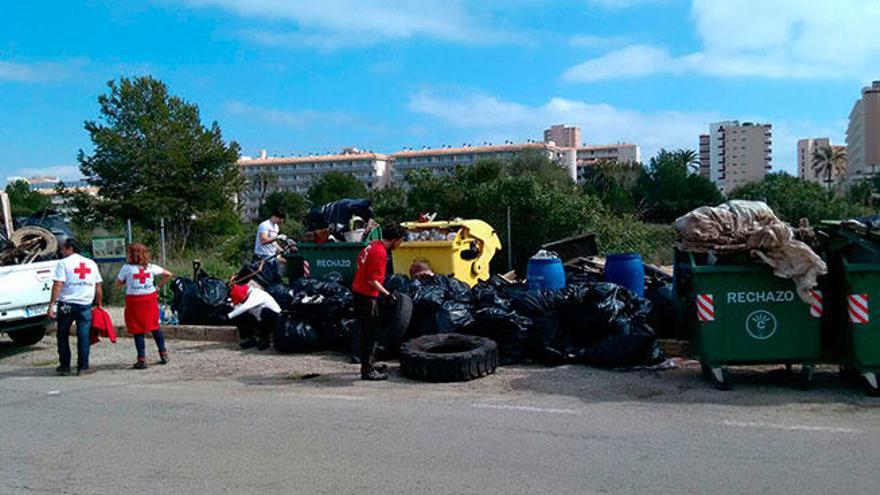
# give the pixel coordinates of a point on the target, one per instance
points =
(459, 248)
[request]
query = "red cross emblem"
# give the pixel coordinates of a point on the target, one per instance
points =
(142, 276)
(82, 271)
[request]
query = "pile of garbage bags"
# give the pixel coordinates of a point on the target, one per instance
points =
(588, 322)
(751, 226)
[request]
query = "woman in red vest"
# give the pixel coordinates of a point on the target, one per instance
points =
(142, 280)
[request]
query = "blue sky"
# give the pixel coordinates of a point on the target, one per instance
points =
(310, 77)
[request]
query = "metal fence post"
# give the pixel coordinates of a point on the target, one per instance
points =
(128, 221)
(162, 238)
(509, 243)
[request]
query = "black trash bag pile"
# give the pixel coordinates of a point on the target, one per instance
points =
(202, 300)
(589, 322)
(338, 213)
(317, 314)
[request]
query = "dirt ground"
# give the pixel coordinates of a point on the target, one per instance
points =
(200, 361)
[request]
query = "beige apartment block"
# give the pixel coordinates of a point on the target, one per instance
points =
(863, 136)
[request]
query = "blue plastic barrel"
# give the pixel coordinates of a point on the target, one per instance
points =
(545, 273)
(626, 270)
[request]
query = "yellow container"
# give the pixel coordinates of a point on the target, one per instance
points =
(465, 256)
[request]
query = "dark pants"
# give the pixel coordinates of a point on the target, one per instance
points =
(141, 345)
(366, 310)
(248, 325)
(81, 314)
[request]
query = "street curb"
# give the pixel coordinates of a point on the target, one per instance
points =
(181, 332)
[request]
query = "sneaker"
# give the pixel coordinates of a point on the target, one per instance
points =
(247, 343)
(163, 358)
(373, 376)
(262, 345)
(141, 364)
(62, 370)
(380, 367)
(85, 371)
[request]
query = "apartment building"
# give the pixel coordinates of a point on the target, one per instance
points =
(806, 148)
(563, 136)
(737, 153)
(588, 156)
(265, 174)
(443, 161)
(863, 136)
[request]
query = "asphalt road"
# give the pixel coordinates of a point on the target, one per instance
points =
(120, 431)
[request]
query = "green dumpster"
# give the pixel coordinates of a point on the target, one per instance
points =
(742, 314)
(856, 275)
(328, 259)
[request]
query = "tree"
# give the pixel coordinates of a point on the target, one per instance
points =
(154, 159)
(792, 198)
(689, 158)
(334, 186)
(24, 201)
(668, 191)
(862, 193)
(829, 161)
(613, 183)
(261, 183)
(294, 205)
(389, 203)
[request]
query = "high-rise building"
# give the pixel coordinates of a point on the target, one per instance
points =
(738, 153)
(705, 155)
(863, 136)
(563, 136)
(806, 148)
(265, 174)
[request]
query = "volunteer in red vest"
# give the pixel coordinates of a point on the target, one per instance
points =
(367, 287)
(255, 313)
(77, 285)
(142, 281)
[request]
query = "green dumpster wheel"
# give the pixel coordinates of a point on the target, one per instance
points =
(805, 380)
(712, 374)
(870, 382)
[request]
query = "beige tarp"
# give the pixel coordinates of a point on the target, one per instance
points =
(738, 226)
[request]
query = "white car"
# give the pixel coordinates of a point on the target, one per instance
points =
(25, 291)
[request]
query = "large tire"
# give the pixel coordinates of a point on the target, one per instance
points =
(449, 357)
(395, 323)
(29, 335)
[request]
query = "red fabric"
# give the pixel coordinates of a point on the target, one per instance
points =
(102, 326)
(238, 293)
(371, 264)
(142, 313)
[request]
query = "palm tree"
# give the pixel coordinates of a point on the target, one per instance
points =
(829, 161)
(689, 158)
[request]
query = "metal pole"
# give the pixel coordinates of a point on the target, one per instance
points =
(129, 230)
(162, 238)
(509, 243)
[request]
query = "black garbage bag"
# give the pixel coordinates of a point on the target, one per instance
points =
(202, 301)
(507, 328)
(486, 295)
(293, 335)
(534, 303)
(266, 276)
(663, 309)
(337, 335)
(453, 316)
(282, 295)
(322, 304)
(338, 212)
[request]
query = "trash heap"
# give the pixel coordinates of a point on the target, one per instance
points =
(752, 227)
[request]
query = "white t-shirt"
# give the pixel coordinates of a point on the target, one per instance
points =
(257, 299)
(79, 275)
(261, 249)
(138, 280)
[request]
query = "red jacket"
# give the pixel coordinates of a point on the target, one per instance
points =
(371, 264)
(101, 325)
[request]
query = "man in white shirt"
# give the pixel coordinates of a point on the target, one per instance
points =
(77, 285)
(255, 313)
(267, 234)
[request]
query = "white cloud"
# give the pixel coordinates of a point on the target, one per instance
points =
(333, 24)
(759, 38)
(621, 4)
(490, 118)
(593, 41)
(298, 119)
(34, 72)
